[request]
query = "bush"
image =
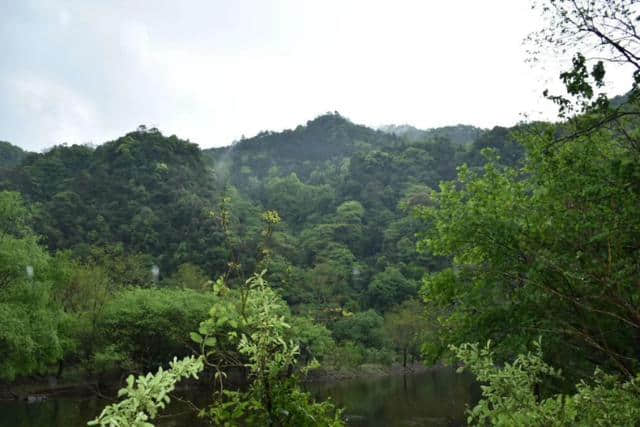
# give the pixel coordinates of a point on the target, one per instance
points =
(348, 355)
(151, 326)
(383, 356)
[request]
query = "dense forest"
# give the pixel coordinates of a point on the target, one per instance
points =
(512, 250)
(343, 252)
(121, 242)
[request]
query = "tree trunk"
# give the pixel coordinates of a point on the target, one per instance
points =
(404, 358)
(60, 369)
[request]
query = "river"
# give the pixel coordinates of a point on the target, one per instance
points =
(437, 397)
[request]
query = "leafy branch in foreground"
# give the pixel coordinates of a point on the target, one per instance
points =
(246, 329)
(510, 394)
(147, 394)
(264, 347)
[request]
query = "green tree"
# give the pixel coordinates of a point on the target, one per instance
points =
(599, 34)
(405, 327)
(147, 395)
(543, 249)
(245, 328)
(273, 396)
(10, 155)
(364, 327)
(29, 340)
(189, 276)
(390, 288)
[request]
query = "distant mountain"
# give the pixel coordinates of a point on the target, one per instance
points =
(10, 155)
(331, 147)
(458, 134)
(325, 138)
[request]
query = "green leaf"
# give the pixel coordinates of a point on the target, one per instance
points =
(196, 337)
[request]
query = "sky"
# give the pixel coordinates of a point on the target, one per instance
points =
(211, 71)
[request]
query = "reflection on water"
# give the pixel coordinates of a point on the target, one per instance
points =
(437, 397)
(434, 398)
(76, 411)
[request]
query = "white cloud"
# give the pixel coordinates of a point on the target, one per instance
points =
(211, 71)
(61, 114)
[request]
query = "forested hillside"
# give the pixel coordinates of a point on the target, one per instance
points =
(147, 192)
(459, 134)
(325, 209)
(380, 249)
(10, 155)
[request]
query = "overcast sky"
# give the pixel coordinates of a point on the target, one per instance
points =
(211, 71)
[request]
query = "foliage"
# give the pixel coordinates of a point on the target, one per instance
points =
(458, 135)
(246, 328)
(535, 236)
(364, 327)
(147, 394)
(334, 236)
(29, 339)
(545, 249)
(347, 354)
(257, 327)
(315, 340)
(389, 288)
(604, 29)
(122, 268)
(510, 397)
(600, 35)
(10, 155)
(405, 326)
(189, 276)
(137, 191)
(150, 326)
(148, 199)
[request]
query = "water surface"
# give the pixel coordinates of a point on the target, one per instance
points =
(437, 397)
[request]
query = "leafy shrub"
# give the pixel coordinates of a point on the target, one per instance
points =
(151, 326)
(509, 393)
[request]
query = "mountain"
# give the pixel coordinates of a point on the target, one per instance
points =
(147, 192)
(344, 193)
(458, 134)
(10, 155)
(327, 138)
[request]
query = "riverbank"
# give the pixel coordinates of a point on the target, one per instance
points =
(36, 390)
(371, 396)
(368, 370)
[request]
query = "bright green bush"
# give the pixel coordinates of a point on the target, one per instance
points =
(150, 326)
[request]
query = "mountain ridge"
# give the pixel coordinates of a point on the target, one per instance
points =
(459, 134)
